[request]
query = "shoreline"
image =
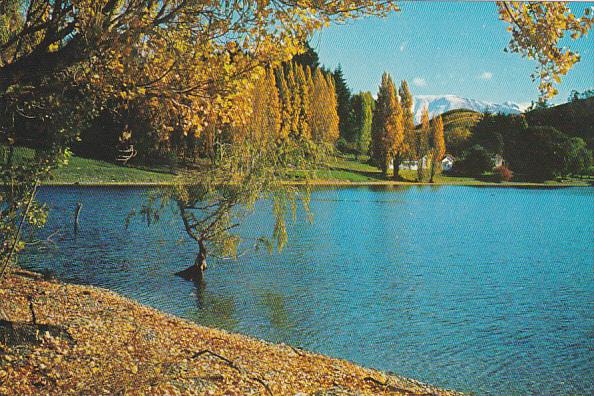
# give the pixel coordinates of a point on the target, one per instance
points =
(338, 183)
(121, 346)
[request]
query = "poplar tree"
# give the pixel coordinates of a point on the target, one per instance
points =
(422, 143)
(334, 121)
(323, 116)
(387, 127)
(286, 104)
(295, 99)
(264, 121)
(395, 142)
(408, 119)
(438, 148)
(361, 120)
(303, 110)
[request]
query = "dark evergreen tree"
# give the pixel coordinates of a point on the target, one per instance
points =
(361, 119)
(308, 58)
(344, 107)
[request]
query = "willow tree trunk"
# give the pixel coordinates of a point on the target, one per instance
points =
(195, 272)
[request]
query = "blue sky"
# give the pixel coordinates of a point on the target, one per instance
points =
(444, 48)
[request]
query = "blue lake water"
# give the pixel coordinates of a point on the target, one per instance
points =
(485, 290)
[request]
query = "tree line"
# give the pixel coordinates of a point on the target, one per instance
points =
(385, 129)
(531, 151)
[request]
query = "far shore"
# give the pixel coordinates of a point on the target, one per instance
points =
(338, 183)
(58, 338)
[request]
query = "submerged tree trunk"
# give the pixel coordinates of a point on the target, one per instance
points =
(195, 273)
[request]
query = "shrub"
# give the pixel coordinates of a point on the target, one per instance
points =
(475, 161)
(346, 147)
(503, 173)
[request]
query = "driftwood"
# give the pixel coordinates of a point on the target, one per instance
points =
(76, 216)
(393, 388)
(20, 333)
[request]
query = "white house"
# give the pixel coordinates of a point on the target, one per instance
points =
(498, 160)
(412, 164)
(446, 164)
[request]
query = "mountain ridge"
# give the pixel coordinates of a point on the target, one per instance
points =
(439, 104)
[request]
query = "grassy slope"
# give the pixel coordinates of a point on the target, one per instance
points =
(89, 171)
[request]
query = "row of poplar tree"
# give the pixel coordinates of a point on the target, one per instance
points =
(302, 101)
(394, 137)
(294, 101)
(385, 129)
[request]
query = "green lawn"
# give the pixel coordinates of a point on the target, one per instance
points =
(89, 171)
(349, 169)
(343, 169)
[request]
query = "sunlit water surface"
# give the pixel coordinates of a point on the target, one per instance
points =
(486, 290)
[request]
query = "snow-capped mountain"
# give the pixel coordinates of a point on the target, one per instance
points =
(439, 104)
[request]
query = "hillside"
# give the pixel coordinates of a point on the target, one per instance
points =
(573, 118)
(440, 104)
(460, 118)
(458, 126)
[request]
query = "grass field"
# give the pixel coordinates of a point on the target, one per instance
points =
(88, 171)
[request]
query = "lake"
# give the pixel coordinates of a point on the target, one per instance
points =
(486, 290)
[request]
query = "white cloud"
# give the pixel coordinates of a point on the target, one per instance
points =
(419, 82)
(486, 75)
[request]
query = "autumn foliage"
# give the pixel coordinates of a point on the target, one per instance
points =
(503, 174)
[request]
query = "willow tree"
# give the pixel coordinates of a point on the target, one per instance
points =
(438, 148)
(188, 64)
(213, 202)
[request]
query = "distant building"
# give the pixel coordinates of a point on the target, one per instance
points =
(447, 163)
(498, 160)
(412, 164)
